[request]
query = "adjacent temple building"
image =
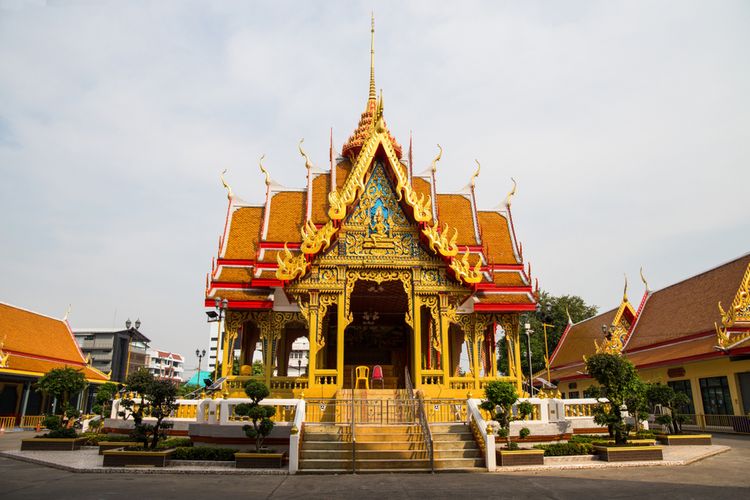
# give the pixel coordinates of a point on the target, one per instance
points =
(375, 267)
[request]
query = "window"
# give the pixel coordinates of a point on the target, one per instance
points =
(716, 397)
(573, 395)
(683, 386)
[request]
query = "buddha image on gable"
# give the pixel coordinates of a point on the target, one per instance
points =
(380, 221)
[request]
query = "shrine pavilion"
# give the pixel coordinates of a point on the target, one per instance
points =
(376, 268)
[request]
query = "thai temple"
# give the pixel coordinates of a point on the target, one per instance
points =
(376, 268)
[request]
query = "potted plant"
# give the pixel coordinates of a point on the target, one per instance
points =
(261, 427)
(158, 401)
(500, 398)
(672, 418)
(619, 383)
(59, 438)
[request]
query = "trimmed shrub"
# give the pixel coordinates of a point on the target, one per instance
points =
(585, 438)
(62, 433)
(524, 432)
(175, 442)
(204, 453)
(565, 449)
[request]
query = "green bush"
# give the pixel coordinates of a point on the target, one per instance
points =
(62, 433)
(204, 453)
(564, 449)
(524, 432)
(175, 442)
(93, 439)
(644, 435)
(52, 422)
(586, 438)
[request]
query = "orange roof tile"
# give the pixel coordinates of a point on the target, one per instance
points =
(688, 307)
(234, 294)
(422, 187)
(496, 238)
(287, 216)
(42, 366)
(235, 274)
(508, 279)
(321, 188)
(29, 336)
(674, 351)
(504, 298)
(455, 210)
(244, 232)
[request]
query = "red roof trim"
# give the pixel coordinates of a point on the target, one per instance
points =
(278, 245)
(560, 343)
(244, 304)
(504, 307)
(491, 287)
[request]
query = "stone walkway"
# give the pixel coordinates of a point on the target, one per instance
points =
(89, 460)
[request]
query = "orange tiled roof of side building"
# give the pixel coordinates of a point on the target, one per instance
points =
(699, 346)
(688, 307)
(508, 279)
(288, 210)
(244, 233)
(504, 298)
(33, 339)
(455, 210)
(496, 238)
(235, 275)
(579, 341)
(234, 294)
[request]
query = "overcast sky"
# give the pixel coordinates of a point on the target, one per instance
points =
(626, 125)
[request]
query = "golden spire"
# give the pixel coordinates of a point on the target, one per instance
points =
(373, 95)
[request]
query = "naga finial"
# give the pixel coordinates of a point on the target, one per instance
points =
(567, 311)
(308, 163)
(224, 182)
(67, 312)
(263, 169)
(625, 290)
(437, 159)
(511, 194)
(475, 174)
(643, 278)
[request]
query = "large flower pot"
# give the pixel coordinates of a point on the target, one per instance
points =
(507, 458)
(113, 445)
(136, 458)
(52, 444)
(684, 439)
(259, 460)
(629, 453)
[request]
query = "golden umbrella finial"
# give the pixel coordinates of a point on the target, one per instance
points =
(263, 169)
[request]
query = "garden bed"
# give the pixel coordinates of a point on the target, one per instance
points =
(136, 458)
(259, 460)
(629, 453)
(113, 445)
(52, 444)
(684, 439)
(507, 458)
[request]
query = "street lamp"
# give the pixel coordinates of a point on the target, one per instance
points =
(200, 354)
(299, 367)
(529, 331)
(128, 325)
(607, 331)
(216, 316)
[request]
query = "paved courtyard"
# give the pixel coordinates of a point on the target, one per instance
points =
(722, 476)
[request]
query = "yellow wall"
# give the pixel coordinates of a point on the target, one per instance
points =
(693, 371)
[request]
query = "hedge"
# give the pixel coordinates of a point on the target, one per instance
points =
(204, 453)
(175, 442)
(564, 449)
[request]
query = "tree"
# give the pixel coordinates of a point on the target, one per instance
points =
(260, 415)
(553, 311)
(618, 382)
(257, 368)
(62, 383)
(158, 401)
(673, 402)
(103, 400)
(501, 396)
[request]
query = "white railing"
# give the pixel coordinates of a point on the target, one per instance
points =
(186, 409)
(295, 435)
(475, 416)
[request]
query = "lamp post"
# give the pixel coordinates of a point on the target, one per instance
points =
(299, 367)
(546, 350)
(528, 331)
(128, 325)
(216, 316)
(200, 354)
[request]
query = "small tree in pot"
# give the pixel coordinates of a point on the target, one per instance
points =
(259, 415)
(158, 400)
(501, 396)
(673, 402)
(619, 383)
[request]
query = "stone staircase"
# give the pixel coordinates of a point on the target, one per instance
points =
(327, 449)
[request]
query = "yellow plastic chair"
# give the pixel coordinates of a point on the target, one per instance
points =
(363, 374)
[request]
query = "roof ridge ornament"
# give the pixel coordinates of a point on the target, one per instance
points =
(67, 312)
(643, 279)
(475, 174)
(224, 182)
(625, 290)
(308, 163)
(263, 169)
(433, 165)
(511, 194)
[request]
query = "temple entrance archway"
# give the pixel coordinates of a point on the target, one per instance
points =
(378, 333)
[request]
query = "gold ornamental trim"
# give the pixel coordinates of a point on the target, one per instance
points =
(738, 312)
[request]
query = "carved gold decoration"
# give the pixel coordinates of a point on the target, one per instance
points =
(315, 240)
(3, 355)
(378, 276)
(324, 302)
(464, 271)
(432, 303)
(224, 182)
(738, 312)
(290, 267)
(439, 241)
